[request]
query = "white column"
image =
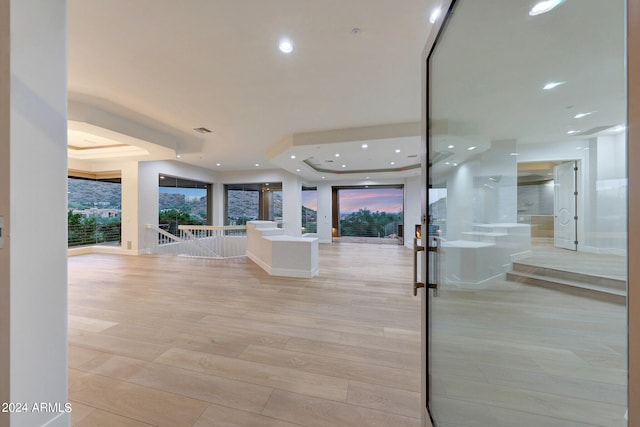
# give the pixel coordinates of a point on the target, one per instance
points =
(292, 205)
(324, 213)
(33, 203)
(148, 202)
(217, 201)
(412, 208)
(129, 174)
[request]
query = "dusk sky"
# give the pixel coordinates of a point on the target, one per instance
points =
(376, 199)
(310, 199)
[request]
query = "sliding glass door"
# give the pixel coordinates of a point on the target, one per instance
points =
(527, 215)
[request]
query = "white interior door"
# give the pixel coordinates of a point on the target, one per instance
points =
(565, 215)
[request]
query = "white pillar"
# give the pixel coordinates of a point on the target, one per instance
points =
(217, 200)
(292, 205)
(33, 203)
(129, 174)
(324, 213)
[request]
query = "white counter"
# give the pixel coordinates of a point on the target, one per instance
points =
(279, 254)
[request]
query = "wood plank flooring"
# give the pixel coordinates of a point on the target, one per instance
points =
(173, 341)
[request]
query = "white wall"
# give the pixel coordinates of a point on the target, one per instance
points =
(610, 234)
(35, 91)
(412, 208)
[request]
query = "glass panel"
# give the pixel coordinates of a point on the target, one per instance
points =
(94, 211)
(182, 201)
(527, 201)
(371, 214)
(247, 202)
(309, 210)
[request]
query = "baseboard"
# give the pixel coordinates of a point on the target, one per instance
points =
(301, 274)
(115, 250)
(263, 265)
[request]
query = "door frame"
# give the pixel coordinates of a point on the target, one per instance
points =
(633, 157)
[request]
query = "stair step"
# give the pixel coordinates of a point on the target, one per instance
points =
(602, 293)
(591, 279)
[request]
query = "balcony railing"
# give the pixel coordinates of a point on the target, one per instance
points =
(204, 241)
(368, 229)
(93, 234)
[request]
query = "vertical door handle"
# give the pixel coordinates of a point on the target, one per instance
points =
(434, 246)
(416, 250)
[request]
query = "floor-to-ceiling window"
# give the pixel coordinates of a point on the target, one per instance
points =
(309, 210)
(182, 201)
(247, 202)
(94, 209)
(370, 212)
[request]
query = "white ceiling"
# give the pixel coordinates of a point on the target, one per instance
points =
(177, 65)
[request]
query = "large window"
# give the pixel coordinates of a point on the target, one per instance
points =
(246, 202)
(182, 201)
(370, 211)
(94, 210)
(309, 210)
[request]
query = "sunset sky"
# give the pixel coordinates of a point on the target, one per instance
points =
(377, 199)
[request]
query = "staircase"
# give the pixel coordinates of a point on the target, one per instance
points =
(609, 289)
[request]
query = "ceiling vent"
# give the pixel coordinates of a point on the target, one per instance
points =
(594, 130)
(202, 130)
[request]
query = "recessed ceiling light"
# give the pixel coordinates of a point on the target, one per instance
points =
(257, 164)
(435, 14)
(365, 145)
(344, 166)
(217, 164)
(552, 85)
(297, 170)
(397, 150)
(367, 178)
(323, 177)
(514, 154)
(578, 148)
(392, 163)
(455, 164)
(571, 132)
(581, 115)
(293, 156)
(471, 148)
(544, 7)
(355, 31)
(285, 46)
(178, 156)
(161, 177)
(451, 146)
(337, 154)
(447, 163)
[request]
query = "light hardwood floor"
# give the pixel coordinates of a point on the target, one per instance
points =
(510, 354)
(174, 341)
